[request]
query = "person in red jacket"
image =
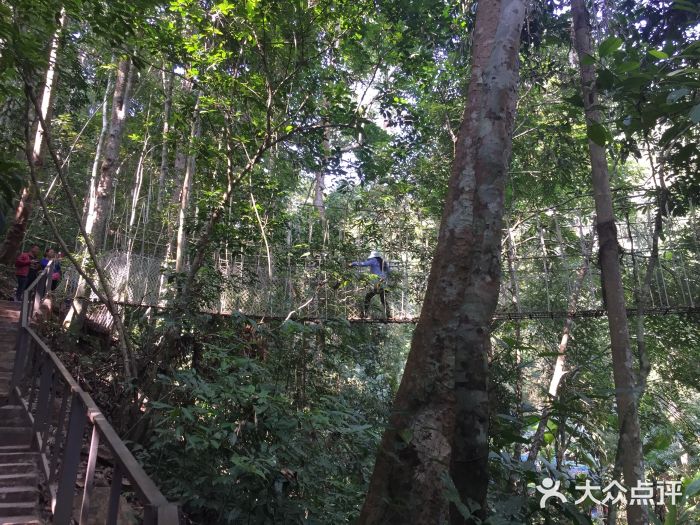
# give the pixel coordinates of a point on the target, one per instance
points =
(27, 265)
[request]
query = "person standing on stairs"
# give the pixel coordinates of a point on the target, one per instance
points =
(56, 274)
(379, 269)
(26, 269)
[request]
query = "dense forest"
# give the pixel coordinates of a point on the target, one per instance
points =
(370, 261)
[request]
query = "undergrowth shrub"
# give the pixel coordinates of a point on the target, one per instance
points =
(244, 440)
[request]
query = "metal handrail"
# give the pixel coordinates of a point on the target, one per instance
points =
(39, 380)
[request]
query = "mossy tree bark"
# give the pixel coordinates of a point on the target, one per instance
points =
(439, 422)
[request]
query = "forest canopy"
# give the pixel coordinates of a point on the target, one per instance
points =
(370, 261)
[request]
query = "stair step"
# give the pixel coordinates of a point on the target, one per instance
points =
(18, 468)
(13, 416)
(17, 508)
(9, 304)
(20, 520)
(4, 449)
(19, 480)
(12, 436)
(19, 457)
(7, 365)
(22, 493)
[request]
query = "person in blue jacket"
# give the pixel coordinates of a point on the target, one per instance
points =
(380, 268)
(50, 255)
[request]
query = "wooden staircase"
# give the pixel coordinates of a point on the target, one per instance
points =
(19, 472)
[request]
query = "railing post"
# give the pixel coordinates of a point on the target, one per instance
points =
(58, 442)
(63, 513)
(20, 349)
(89, 476)
(165, 514)
(42, 404)
(20, 359)
(39, 290)
(50, 408)
(114, 494)
(34, 364)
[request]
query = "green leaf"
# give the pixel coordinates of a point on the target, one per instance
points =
(676, 95)
(572, 512)
(657, 54)
(250, 6)
(626, 67)
(654, 519)
(609, 46)
(606, 80)
(694, 114)
(451, 494)
(693, 489)
(588, 60)
(406, 435)
(575, 100)
(597, 133)
(685, 6)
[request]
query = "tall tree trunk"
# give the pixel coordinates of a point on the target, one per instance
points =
(441, 414)
(138, 179)
(514, 478)
(185, 194)
(558, 369)
(101, 189)
(15, 234)
(625, 384)
(91, 197)
(78, 310)
(170, 217)
(105, 185)
(320, 186)
(167, 108)
(643, 293)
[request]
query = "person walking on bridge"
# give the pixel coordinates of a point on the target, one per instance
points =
(379, 269)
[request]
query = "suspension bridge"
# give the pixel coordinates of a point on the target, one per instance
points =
(541, 260)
